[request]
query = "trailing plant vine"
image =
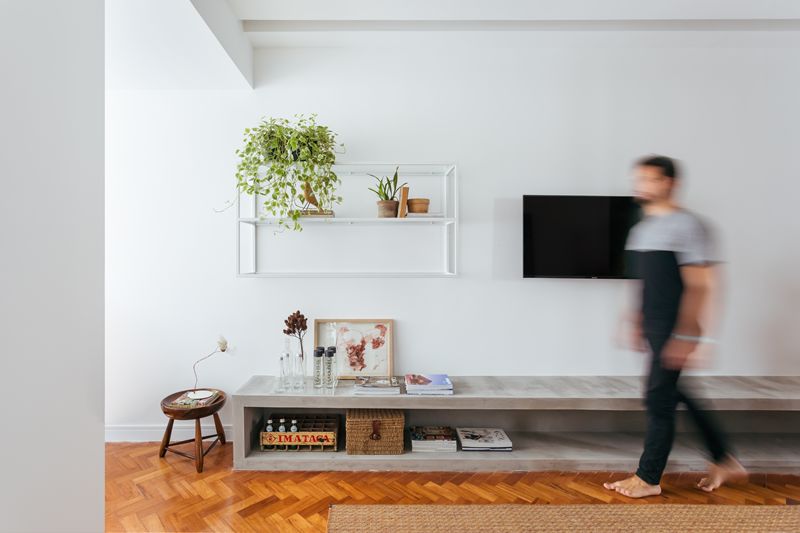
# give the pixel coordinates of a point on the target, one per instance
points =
(289, 164)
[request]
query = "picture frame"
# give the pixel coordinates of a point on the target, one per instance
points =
(364, 346)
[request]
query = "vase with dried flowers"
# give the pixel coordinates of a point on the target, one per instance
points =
(297, 327)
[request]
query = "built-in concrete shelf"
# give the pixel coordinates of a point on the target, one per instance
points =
(546, 451)
(618, 393)
(555, 423)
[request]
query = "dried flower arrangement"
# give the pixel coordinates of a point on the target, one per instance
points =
(296, 326)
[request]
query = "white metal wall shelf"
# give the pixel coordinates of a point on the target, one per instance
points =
(362, 220)
(253, 228)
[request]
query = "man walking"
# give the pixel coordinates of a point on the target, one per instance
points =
(670, 250)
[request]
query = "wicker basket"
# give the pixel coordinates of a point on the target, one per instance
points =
(374, 431)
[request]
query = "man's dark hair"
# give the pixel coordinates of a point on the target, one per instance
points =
(668, 166)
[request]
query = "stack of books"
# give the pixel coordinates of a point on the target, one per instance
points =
(433, 439)
(483, 440)
(376, 386)
(429, 384)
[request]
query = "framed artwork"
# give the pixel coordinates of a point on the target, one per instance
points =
(363, 345)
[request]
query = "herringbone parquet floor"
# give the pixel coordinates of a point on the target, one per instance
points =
(145, 493)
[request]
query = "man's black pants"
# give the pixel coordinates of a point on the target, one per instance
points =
(662, 397)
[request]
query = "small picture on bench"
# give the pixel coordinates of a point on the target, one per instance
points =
(363, 346)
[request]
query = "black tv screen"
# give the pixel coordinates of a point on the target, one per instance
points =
(576, 236)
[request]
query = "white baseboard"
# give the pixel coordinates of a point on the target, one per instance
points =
(154, 432)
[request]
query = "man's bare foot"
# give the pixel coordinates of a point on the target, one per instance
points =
(634, 487)
(727, 471)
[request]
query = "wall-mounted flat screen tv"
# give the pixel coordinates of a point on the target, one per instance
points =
(576, 236)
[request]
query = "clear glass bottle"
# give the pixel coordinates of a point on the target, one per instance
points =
(287, 369)
(330, 366)
(319, 351)
(280, 384)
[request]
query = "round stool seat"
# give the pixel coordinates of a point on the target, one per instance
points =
(192, 413)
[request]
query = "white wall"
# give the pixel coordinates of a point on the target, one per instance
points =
(521, 113)
(51, 267)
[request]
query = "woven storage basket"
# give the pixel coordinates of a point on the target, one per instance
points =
(374, 431)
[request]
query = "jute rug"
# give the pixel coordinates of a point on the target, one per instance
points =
(516, 518)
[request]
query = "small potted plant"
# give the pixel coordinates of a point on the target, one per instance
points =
(387, 189)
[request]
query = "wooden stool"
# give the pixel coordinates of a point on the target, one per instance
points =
(174, 413)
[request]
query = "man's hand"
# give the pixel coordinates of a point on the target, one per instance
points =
(629, 334)
(676, 353)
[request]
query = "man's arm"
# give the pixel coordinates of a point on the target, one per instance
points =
(629, 331)
(698, 315)
(699, 310)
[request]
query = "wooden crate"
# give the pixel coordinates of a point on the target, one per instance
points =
(314, 433)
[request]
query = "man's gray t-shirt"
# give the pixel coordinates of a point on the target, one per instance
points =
(681, 232)
(656, 249)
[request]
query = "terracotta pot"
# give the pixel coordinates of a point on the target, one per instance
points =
(418, 205)
(387, 208)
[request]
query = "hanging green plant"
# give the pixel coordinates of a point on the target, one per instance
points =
(289, 164)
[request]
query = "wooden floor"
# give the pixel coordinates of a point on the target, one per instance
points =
(145, 493)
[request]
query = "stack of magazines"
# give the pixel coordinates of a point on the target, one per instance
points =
(184, 401)
(429, 384)
(484, 440)
(376, 386)
(433, 439)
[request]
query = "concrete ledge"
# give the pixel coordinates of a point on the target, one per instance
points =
(614, 393)
(544, 452)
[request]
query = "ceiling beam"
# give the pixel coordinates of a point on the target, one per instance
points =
(227, 28)
(258, 26)
(514, 10)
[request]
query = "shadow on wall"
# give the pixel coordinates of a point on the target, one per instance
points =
(507, 239)
(779, 334)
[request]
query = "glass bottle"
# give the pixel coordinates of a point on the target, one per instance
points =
(287, 369)
(280, 384)
(293, 429)
(318, 360)
(269, 428)
(330, 359)
(282, 429)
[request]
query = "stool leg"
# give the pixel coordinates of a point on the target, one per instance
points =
(198, 445)
(162, 451)
(220, 429)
